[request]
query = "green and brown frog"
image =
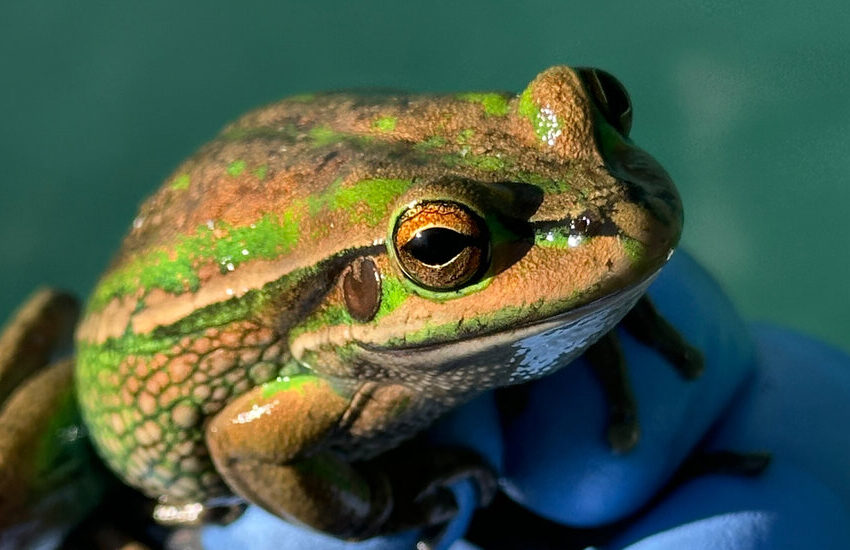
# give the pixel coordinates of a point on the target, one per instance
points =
(332, 273)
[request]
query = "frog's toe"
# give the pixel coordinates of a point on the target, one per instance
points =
(433, 511)
(192, 514)
(420, 478)
(623, 432)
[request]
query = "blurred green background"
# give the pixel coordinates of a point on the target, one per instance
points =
(745, 103)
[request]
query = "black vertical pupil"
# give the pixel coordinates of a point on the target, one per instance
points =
(437, 245)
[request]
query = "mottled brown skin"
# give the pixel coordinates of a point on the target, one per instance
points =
(187, 409)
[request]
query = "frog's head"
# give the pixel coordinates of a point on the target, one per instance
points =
(539, 236)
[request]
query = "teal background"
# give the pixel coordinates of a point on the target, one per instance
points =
(745, 103)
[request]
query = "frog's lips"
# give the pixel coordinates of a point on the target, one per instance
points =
(583, 324)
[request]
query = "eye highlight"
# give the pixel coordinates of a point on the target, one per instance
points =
(441, 245)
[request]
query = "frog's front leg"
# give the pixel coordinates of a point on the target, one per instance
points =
(645, 323)
(274, 446)
(607, 360)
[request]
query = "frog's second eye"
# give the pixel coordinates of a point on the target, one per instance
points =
(610, 97)
(441, 245)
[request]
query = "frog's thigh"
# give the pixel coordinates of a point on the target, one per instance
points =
(33, 334)
(261, 445)
(25, 421)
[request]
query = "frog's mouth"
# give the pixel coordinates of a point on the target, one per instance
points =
(560, 338)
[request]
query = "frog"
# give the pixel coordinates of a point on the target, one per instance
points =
(335, 271)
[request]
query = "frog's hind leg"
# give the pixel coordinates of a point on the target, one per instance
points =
(48, 477)
(36, 331)
(274, 447)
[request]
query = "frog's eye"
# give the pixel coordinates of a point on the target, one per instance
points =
(610, 97)
(441, 245)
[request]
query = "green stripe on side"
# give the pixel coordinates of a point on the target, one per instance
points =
(495, 104)
(268, 238)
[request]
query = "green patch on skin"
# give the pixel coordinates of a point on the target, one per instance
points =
(316, 203)
(546, 124)
(526, 106)
(440, 296)
(93, 359)
(557, 237)
(634, 249)
(221, 314)
(494, 103)
(465, 135)
(375, 194)
(432, 142)
(320, 232)
(260, 172)
(152, 270)
(324, 135)
(393, 294)
(400, 406)
(107, 355)
(385, 124)
(330, 315)
(547, 185)
(175, 271)
(267, 238)
(236, 167)
(181, 182)
(482, 162)
(61, 456)
(290, 383)
(292, 368)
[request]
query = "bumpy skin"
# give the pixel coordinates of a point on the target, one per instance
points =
(225, 321)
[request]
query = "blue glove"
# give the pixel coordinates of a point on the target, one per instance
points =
(763, 389)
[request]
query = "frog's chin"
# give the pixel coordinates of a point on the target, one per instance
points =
(524, 351)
